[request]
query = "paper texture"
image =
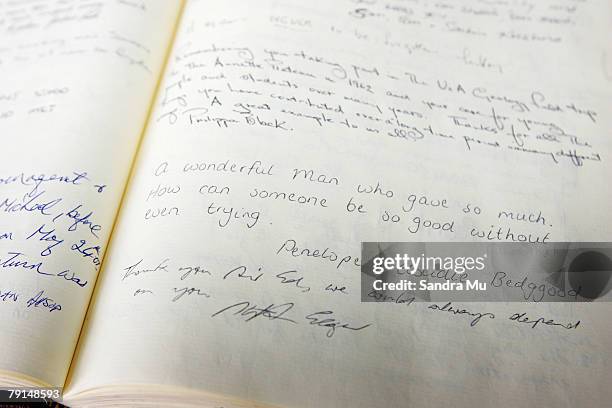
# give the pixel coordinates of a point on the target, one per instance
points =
(285, 133)
(76, 80)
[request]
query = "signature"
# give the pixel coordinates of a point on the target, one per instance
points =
(249, 311)
(324, 319)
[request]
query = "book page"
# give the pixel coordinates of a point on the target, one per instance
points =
(76, 83)
(288, 132)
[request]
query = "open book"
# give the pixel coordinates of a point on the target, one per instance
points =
(184, 187)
